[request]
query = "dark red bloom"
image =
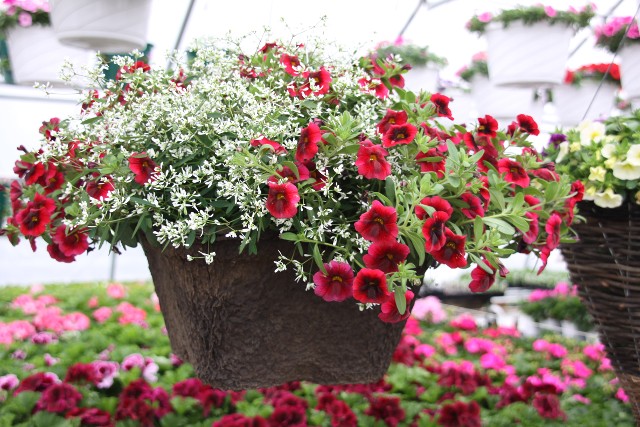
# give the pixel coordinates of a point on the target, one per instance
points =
(552, 227)
(386, 409)
(59, 398)
(436, 164)
(397, 80)
(452, 253)
(386, 256)
(191, 387)
(130, 69)
(375, 86)
(289, 62)
(390, 119)
(48, 127)
(34, 218)
(487, 126)
(371, 161)
(514, 172)
(434, 231)
(288, 416)
(378, 223)
(399, 134)
(548, 406)
(71, 243)
(30, 172)
(143, 167)
(460, 414)
(82, 373)
(210, 397)
(475, 208)
(288, 173)
(532, 234)
(484, 143)
(308, 143)
(268, 47)
(370, 286)
(318, 177)
(527, 124)
(316, 83)
(389, 310)
(240, 420)
(93, 417)
(100, 187)
(40, 381)
(481, 281)
(336, 284)
(441, 103)
(341, 414)
(437, 203)
(546, 171)
(277, 148)
(52, 179)
(533, 201)
(282, 201)
(15, 194)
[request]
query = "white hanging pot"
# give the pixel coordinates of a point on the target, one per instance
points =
(527, 55)
(630, 70)
(571, 102)
(111, 26)
(503, 103)
(36, 55)
(421, 77)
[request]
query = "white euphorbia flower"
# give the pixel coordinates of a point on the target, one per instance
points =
(608, 199)
(591, 132)
(633, 155)
(597, 174)
(626, 170)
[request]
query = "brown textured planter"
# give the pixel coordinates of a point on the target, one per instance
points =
(242, 326)
(605, 264)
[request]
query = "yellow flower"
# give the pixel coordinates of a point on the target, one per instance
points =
(608, 199)
(590, 192)
(626, 170)
(591, 132)
(597, 174)
(638, 197)
(633, 155)
(575, 146)
(610, 162)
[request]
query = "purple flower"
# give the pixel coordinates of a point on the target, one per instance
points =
(24, 19)
(8, 382)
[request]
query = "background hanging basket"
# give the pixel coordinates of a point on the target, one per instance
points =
(571, 101)
(630, 70)
(241, 325)
(37, 56)
(527, 55)
(503, 103)
(114, 26)
(605, 264)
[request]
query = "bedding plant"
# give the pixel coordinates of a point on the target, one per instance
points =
(608, 72)
(409, 54)
(23, 13)
(616, 32)
(604, 157)
(79, 355)
(326, 151)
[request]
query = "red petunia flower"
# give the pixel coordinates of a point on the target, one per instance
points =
(378, 224)
(527, 124)
(371, 161)
(392, 118)
(548, 406)
(397, 80)
(52, 179)
(385, 256)
(34, 218)
(101, 187)
(142, 167)
(389, 310)
(320, 179)
(452, 253)
(460, 414)
(532, 201)
(374, 86)
(437, 166)
(317, 83)
(58, 255)
(441, 102)
(15, 194)
(514, 172)
(484, 143)
(308, 142)
(370, 286)
(434, 231)
(481, 281)
(130, 69)
(532, 235)
(546, 171)
(277, 148)
(282, 201)
(487, 126)
(30, 172)
(290, 62)
(437, 203)
(336, 284)
(399, 134)
(476, 208)
(72, 243)
(59, 398)
(287, 172)
(552, 227)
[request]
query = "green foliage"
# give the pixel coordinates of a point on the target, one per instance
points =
(410, 54)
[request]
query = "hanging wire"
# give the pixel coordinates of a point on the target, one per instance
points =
(413, 15)
(183, 28)
(615, 54)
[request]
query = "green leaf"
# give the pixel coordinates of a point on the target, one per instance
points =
(478, 228)
(453, 152)
(418, 244)
(349, 149)
(401, 301)
(92, 120)
(519, 222)
(289, 236)
(293, 167)
(140, 201)
(318, 258)
(390, 190)
(502, 226)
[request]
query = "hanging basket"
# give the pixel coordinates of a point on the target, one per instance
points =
(114, 26)
(571, 102)
(421, 78)
(605, 264)
(503, 103)
(527, 55)
(630, 70)
(36, 56)
(242, 326)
